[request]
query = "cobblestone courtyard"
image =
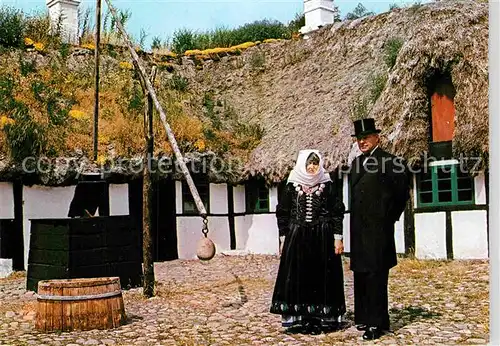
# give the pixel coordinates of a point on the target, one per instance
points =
(226, 302)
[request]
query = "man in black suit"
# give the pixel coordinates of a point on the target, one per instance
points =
(379, 191)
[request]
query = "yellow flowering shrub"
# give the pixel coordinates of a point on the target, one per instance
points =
(272, 40)
(192, 52)
(244, 45)
(39, 46)
(125, 65)
(4, 121)
(28, 41)
(77, 114)
(200, 145)
(101, 160)
(103, 139)
(215, 51)
(90, 46)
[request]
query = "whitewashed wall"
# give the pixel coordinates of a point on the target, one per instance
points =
(317, 13)
(189, 233)
(257, 234)
(218, 199)
(118, 199)
(178, 197)
(42, 202)
(399, 234)
(189, 227)
(273, 199)
(470, 234)
(6, 201)
(67, 10)
(239, 199)
(347, 234)
(430, 235)
(480, 189)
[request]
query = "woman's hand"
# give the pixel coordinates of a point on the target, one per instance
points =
(339, 247)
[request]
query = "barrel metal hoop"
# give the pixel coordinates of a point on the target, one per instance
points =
(75, 298)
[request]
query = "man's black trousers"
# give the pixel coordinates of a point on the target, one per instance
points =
(370, 299)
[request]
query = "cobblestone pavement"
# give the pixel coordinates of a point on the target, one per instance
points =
(226, 302)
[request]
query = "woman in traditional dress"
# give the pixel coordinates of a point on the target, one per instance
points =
(309, 289)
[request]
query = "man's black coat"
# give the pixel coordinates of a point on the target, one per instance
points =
(379, 191)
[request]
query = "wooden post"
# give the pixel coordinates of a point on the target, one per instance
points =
(163, 117)
(147, 193)
(96, 71)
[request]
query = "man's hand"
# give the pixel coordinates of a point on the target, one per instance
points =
(339, 247)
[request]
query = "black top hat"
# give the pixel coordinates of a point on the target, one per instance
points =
(364, 127)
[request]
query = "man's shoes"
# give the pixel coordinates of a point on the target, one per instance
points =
(372, 333)
(361, 327)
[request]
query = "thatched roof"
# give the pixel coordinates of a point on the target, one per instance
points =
(301, 92)
(304, 91)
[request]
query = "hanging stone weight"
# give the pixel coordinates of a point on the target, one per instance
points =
(206, 247)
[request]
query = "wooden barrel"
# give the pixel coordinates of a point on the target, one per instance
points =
(79, 304)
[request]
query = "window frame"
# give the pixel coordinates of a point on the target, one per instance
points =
(252, 188)
(201, 184)
(453, 165)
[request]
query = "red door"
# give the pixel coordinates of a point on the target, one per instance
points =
(443, 113)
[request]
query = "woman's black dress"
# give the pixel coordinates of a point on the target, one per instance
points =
(310, 280)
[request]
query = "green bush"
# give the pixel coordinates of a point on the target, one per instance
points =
(183, 40)
(222, 37)
(298, 22)
(186, 39)
(6, 93)
(179, 82)
(12, 27)
(391, 51)
(38, 27)
(360, 108)
(260, 30)
(376, 84)
(359, 12)
(25, 137)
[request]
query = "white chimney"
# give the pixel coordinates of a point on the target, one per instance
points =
(318, 13)
(65, 13)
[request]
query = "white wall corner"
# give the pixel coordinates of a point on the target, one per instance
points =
(239, 199)
(480, 189)
(6, 201)
(64, 13)
(218, 199)
(5, 267)
(118, 199)
(178, 197)
(318, 13)
(273, 199)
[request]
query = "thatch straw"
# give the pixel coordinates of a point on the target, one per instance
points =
(304, 95)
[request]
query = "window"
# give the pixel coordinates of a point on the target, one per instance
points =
(445, 185)
(188, 204)
(256, 197)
